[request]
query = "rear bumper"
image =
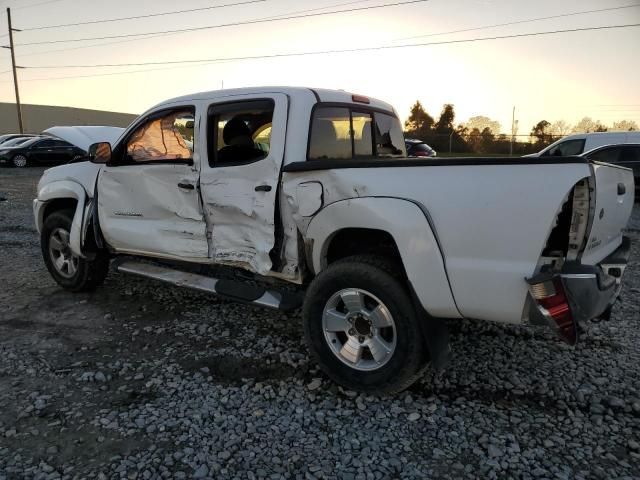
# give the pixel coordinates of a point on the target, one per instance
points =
(588, 289)
(591, 288)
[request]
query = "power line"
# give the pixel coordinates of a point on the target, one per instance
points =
(109, 74)
(136, 17)
(233, 24)
(345, 50)
(36, 4)
(104, 44)
(517, 22)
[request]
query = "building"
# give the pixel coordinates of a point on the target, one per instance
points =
(37, 118)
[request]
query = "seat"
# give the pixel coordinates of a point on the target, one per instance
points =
(239, 146)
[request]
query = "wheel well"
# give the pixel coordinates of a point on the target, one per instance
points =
(359, 241)
(59, 204)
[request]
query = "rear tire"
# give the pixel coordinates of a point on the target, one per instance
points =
(72, 273)
(372, 342)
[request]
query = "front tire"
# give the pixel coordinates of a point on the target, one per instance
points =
(71, 272)
(361, 327)
(19, 161)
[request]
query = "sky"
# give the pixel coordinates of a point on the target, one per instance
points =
(552, 77)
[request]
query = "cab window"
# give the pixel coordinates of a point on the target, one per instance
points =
(165, 137)
(239, 133)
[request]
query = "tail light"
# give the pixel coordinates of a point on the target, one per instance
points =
(421, 153)
(553, 304)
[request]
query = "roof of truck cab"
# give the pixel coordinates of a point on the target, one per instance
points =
(320, 94)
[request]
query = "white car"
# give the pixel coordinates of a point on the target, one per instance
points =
(310, 191)
(583, 142)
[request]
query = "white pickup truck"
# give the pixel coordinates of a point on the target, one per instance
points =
(310, 192)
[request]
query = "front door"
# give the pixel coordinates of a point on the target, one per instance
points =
(148, 197)
(245, 137)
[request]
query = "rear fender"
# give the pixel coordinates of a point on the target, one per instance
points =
(409, 225)
(65, 189)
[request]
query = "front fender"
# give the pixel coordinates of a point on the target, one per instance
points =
(59, 190)
(410, 228)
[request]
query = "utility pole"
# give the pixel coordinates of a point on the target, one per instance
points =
(15, 76)
(513, 130)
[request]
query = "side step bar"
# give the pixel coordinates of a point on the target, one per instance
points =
(229, 289)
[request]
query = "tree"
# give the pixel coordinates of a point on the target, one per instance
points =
(559, 128)
(419, 122)
(539, 131)
(487, 139)
(587, 125)
(480, 122)
(625, 126)
(447, 117)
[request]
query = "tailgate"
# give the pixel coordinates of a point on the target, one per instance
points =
(614, 192)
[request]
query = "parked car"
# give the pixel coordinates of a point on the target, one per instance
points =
(417, 148)
(378, 249)
(583, 142)
(38, 150)
(625, 155)
(11, 136)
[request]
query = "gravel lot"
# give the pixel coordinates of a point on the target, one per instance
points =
(141, 380)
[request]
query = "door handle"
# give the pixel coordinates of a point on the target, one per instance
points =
(263, 188)
(186, 186)
(622, 189)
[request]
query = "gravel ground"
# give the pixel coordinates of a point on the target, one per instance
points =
(140, 380)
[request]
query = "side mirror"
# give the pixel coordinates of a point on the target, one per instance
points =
(100, 152)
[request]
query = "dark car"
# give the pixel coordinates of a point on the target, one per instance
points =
(38, 150)
(625, 155)
(417, 148)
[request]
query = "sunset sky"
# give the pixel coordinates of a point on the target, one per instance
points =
(553, 77)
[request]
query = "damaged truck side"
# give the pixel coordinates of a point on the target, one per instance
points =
(289, 197)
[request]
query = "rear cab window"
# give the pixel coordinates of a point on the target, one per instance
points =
(354, 132)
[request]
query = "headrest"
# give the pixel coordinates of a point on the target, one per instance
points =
(236, 132)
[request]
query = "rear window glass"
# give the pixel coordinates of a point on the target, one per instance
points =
(630, 154)
(568, 147)
(606, 155)
(239, 133)
(343, 133)
(389, 137)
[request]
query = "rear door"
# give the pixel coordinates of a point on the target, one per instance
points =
(630, 158)
(614, 202)
(245, 139)
(63, 151)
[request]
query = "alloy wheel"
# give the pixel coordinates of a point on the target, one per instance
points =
(359, 329)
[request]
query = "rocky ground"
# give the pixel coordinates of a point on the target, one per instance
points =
(140, 380)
